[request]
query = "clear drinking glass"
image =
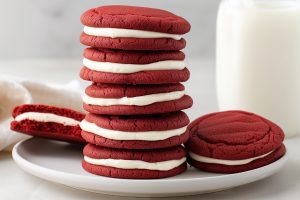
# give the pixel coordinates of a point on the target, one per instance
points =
(258, 59)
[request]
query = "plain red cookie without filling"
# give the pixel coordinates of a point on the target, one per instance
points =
(150, 44)
(98, 90)
(131, 57)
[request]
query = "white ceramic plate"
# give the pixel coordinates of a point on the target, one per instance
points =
(61, 163)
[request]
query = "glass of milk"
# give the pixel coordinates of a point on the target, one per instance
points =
(258, 59)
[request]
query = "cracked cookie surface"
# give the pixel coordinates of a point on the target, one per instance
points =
(234, 136)
(135, 18)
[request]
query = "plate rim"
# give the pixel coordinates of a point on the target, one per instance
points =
(37, 170)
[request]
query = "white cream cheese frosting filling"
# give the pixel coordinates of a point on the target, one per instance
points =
(224, 162)
(47, 117)
(121, 68)
(134, 101)
(127, 33)
(136, 164)
(123, 135)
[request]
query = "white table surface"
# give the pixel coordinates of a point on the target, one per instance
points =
(16, 184)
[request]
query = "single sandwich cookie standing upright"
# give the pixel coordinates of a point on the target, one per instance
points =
(134, 164)
(134, 67)
(133, 28)
(113, 99)
(48, 122)
(137, 131)
(234, 141)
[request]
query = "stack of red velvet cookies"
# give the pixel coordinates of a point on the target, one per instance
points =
(135, 127)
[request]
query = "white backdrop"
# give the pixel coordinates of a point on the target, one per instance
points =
(51, 28)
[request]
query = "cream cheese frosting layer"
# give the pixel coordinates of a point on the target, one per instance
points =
(136, 164)
(121, 68)
(47, 117)
(134, 101)
(224, 162)
(123, 135)
(127, 33)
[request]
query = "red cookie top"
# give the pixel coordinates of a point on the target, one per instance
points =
(119, 91)
(47, 109)
(233, 135)
(131, 57)
(158, 155)
(132, 17)
(136, 123)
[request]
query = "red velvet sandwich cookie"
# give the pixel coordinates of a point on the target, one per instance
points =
(136, 132)
(134, 164)
(115, 99)
(133, 28)
(234, 141)
(134, 67)
(48, 122)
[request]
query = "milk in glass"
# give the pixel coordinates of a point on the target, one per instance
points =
(258, 59)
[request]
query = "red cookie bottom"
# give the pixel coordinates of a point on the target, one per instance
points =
(230, 169)
(132, 173)
(49, 130)
(135, 144)
(144, 77)
(152, 44)
(155, 108)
